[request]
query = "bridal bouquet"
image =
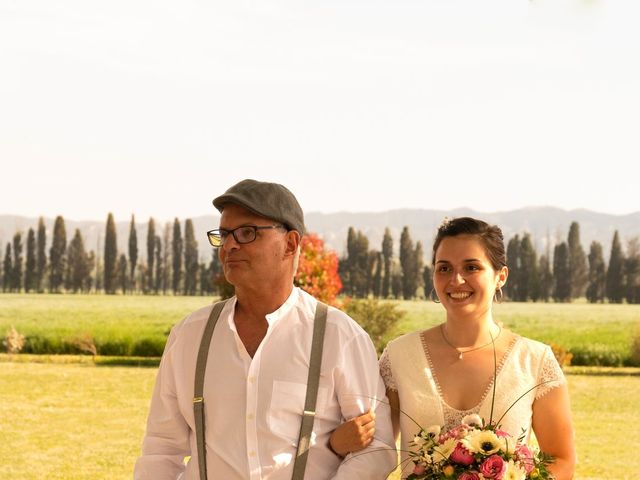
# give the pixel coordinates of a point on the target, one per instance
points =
(475, 451)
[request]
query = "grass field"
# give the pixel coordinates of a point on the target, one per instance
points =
(80, 421)
(138, 325)
(68, 418)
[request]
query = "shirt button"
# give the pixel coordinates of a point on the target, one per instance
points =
(252, 454)
(250, 416)
(252, 379)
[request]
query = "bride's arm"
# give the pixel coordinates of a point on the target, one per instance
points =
(554, 430)
(394, 403)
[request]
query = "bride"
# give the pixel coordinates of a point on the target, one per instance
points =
(438, 376)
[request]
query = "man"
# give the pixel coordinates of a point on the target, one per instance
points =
(258, 363)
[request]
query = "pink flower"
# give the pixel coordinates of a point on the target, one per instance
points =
(502, 433)
(469, 476)
(524, 455)
(419, 469)
(458, 433)
(493, 467)
(461, 455)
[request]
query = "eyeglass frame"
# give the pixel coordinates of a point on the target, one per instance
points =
(233, 233)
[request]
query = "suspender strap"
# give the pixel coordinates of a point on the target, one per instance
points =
(198, 400)
(306, 427)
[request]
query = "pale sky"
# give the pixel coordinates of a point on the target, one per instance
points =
(155, 107)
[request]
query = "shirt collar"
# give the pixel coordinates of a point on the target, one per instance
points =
(273, 317)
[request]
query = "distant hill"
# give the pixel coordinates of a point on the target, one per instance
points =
(547, 225)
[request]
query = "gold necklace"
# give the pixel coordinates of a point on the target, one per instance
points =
(457, 349)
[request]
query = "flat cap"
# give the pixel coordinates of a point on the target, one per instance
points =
(269, 200)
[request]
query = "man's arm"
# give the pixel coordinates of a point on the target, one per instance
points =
(360, 388)
(166, 441)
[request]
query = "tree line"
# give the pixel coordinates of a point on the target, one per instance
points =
(172, 266)
(562, 276)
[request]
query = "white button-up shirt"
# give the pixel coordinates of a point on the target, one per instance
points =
(253, 406)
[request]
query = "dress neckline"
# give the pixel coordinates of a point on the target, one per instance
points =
(489, 386)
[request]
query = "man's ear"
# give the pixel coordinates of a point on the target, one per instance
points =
(293, 242)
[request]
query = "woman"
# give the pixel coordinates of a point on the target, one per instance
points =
(442, 374)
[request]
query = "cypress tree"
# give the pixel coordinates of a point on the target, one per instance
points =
(512, 287)
(91, 265)
(16, 277)
(545, 278)
(110, 256)
(396, 284)
(7, 269)
(528, 277)
(427, 281)
(614, 286)
(387, 254)
(190, 259)
(151, 244)
(176, 245)
(30, 274)
(166, 264)
(216, 276)
(632, 271)
(133, 252)
(121, 276)
(159, 274)
(562, 290)
(377, 276)
(205, 286)
(41, 260)
(595, 288)
(577, 262)
(77, 264)
(362, 268)
(409, 265)
(57, 255)
(348, 266)
(419, 267)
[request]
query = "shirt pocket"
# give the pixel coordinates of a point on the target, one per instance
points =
(287, 407)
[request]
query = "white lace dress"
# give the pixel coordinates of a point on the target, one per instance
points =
(406, 367)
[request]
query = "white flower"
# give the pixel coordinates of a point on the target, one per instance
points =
(419, 441)
(433, 430)
(442, 452)
(514, 472)
(482, 441)
(472, 419)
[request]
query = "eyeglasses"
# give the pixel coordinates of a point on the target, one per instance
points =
(242, 235)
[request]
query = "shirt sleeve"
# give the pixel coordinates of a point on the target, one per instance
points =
(166, 441)
(359, 387)
(550, 375)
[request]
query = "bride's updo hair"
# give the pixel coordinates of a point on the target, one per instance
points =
(490, 236)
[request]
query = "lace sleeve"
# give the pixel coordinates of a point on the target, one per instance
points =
(385, 371)
(550, 373)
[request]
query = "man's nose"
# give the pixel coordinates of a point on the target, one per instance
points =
(230, 243)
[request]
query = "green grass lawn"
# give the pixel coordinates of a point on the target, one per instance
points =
(116, 323)
(137, 325)
(80, 421)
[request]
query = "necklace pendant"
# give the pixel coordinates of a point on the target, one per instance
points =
(460, 356)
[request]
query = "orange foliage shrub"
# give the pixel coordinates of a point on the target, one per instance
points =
(318, 270)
